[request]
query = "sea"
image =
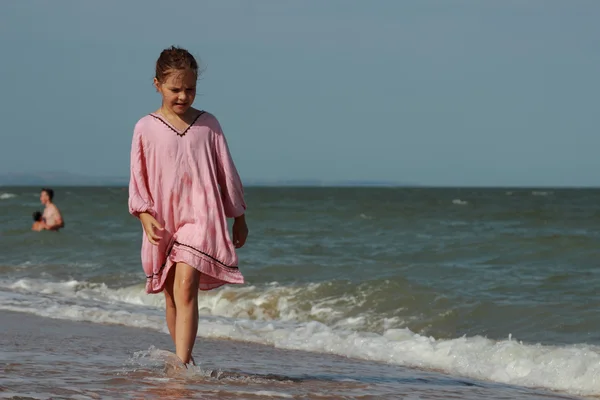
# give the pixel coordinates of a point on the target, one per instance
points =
(351, 292)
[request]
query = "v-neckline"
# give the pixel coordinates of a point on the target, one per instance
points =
(170, 126)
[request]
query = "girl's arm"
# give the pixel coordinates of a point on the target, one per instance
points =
(232, 190)
(140, 200)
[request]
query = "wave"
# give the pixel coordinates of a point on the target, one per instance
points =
(329, 302)
(6, 196)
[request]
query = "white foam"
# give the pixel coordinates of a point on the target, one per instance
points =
(460, 202)
(5, 196)
(263, 393)
(574, 369)
(270, 303)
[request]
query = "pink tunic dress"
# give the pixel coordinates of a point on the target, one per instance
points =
(189, 183)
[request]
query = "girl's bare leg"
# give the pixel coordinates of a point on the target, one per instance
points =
(185, 293)
(171, 310)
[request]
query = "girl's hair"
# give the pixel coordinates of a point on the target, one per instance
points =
(173, 59)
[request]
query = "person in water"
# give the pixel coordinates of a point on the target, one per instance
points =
(38, 224)
(51, 216)
(183, 186)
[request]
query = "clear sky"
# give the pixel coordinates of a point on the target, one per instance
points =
(427, 92)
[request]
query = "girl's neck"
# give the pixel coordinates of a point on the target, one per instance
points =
(189, 114)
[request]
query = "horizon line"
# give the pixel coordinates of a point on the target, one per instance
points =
(326, 185)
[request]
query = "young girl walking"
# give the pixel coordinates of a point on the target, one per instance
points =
(183, 186)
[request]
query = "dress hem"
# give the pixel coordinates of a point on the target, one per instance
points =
(213, 273)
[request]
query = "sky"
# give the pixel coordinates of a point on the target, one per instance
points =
(449, 93)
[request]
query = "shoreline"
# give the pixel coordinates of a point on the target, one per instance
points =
(54, 357)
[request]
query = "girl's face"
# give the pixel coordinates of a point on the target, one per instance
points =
(178, 90)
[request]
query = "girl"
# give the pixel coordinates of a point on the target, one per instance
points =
(183, 186)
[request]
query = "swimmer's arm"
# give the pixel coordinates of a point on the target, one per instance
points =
(58, 222)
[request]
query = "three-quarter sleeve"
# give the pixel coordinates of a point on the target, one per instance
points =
(232, 190)
(140, 199)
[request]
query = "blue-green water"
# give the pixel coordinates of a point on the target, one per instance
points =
(495, 284)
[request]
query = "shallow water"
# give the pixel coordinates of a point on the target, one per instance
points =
(47, 358)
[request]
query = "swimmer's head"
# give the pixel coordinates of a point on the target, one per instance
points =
(37, 216)
(46, 195)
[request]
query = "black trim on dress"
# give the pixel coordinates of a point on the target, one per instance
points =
(168, 125)
(221, 263)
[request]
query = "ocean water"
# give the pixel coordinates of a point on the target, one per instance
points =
(491, 285)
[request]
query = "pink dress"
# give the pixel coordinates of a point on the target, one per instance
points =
(189, 183)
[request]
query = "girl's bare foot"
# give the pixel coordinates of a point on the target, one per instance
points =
(173, 364)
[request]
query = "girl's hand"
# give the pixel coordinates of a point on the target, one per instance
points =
(149, 223)
(240, 231)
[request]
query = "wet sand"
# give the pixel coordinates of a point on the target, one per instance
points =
(43, 358)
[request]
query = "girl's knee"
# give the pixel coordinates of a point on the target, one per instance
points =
(187, 293)
(186, 283)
